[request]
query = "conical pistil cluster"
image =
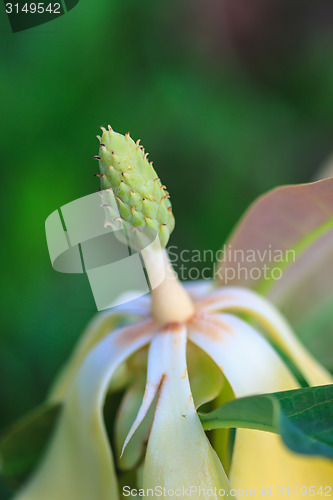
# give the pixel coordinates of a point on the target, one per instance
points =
(142, 200)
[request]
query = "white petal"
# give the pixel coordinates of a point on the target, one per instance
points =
(179, 454)
(78, 464)
(248, 361)
(241, 300)
(155, 371)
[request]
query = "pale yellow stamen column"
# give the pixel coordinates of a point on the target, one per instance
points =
(170, 301)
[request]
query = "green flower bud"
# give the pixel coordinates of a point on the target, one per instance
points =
(142, 200)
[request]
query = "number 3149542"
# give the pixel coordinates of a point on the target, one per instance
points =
(33, 8)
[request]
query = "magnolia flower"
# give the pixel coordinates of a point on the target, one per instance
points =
(232, 328)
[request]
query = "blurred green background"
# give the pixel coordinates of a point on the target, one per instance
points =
(229, 97)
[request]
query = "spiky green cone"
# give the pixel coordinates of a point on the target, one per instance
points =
(142, 200)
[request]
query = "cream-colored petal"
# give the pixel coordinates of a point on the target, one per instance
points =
(260, 459)
(78, 464)
(241, 300)
(179, 454)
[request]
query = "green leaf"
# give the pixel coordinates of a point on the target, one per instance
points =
(303, 417)
(23, 444)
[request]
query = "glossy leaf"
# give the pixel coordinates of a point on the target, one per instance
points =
(303, 417)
